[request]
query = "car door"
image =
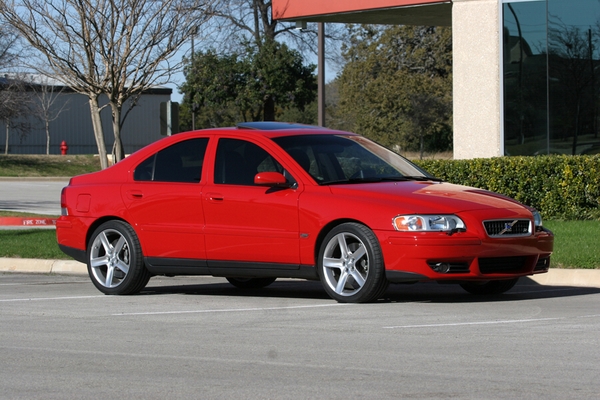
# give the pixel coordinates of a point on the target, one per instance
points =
(164, 201)
(246, 223)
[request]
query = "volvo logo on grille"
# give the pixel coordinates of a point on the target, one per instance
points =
(508, 227)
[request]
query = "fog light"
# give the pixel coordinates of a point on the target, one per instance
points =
(440, 268)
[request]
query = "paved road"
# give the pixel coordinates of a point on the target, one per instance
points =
(42, 197)
(201, 338)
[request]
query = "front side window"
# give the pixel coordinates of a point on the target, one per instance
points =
(238, 162)
(181, 162)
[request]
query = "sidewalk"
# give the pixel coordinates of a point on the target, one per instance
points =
(555, 277)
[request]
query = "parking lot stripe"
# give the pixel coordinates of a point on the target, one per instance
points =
(514, 321)
(231, 310)
(51, 298)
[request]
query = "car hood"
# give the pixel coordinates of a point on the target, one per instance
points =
(428, 197)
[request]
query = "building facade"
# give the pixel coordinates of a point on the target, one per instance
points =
(525, 72)
(73, 124)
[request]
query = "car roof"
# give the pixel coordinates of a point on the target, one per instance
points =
(274, 129)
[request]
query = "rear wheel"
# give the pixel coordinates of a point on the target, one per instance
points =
(350, 264)
(115, 262)
(250, 283)
(489, 287)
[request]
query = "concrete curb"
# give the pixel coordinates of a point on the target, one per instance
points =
(569, 277)
(35, 178)
(554, 277)
(37, 266)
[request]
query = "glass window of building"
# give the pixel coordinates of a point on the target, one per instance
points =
(551, 53)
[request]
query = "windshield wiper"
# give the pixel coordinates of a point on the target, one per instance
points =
(423, 178)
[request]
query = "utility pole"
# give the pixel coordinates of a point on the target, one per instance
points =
(321, 75)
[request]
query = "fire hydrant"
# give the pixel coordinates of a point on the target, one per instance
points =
(64, 148)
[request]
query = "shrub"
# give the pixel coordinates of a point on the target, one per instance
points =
(560, 187)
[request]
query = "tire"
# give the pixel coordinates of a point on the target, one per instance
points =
(251, 283)
(489, 287)
(350, 264)
(114, 259)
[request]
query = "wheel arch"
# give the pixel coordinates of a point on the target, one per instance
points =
(326, 229)
(92, 228)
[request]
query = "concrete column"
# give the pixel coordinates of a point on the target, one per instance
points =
(476, 78)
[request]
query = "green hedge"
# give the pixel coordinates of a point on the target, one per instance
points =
(560, 187)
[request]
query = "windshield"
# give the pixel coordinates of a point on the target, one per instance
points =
(334, 159)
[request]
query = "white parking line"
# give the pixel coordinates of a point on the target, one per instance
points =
(225, 310)
(514, 321)
(51, 298)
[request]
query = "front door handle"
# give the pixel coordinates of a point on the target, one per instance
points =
(214, 197)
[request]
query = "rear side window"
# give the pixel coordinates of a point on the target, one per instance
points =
(181, 162)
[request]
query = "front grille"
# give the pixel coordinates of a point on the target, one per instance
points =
(507, 228)
(500, 265)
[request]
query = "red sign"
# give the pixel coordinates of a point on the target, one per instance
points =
(295, 9)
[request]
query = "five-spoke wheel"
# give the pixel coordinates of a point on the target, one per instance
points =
(115, 262)
(351, 264)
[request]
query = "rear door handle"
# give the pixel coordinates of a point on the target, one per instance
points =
(135, 194)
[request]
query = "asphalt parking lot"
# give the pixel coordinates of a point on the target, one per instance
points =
(198, 337)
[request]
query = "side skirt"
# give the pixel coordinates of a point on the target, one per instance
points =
(178, 266)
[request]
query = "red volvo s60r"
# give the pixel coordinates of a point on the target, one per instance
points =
(267, 200)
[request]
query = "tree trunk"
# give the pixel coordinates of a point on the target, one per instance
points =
(7, 132)
(47, 137)
(118, 151)
(98, 132)
(269, 109)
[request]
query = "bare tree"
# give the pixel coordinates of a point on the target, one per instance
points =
(239, 21)
(46, 106)
(8, 40)
(116, 48)
(14, 104)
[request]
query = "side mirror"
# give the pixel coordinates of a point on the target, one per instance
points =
(270, 179)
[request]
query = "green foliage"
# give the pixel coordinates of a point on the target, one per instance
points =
(576, 244)
(396, 87)
(265, 81)
(564, 187)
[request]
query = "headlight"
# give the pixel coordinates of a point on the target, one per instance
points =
(537, 218)
(436, 223)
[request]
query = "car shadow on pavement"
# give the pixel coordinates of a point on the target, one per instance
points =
(430, 292)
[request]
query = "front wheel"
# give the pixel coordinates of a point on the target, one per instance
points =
(350, 264)
(489, 287)
(115, 263)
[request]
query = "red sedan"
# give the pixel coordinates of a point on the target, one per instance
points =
(267, 200)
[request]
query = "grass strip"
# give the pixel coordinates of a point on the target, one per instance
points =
(30, 243)
(15, 165)
(575, 244)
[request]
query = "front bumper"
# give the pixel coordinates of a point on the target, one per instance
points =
(411, 257)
